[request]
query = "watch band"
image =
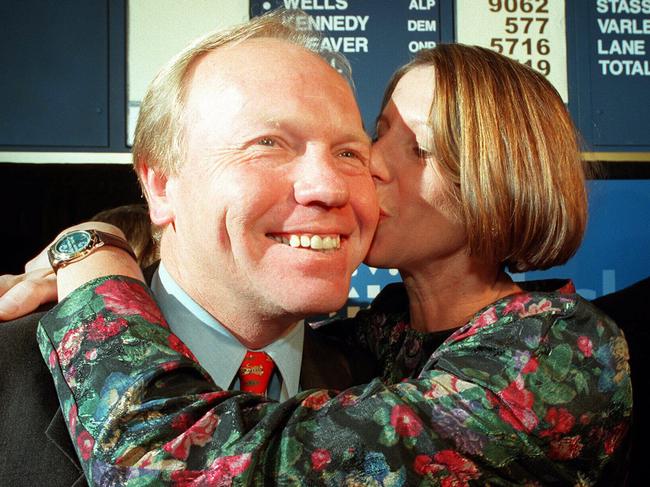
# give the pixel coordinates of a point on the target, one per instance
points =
(115, 241)
(97, 239)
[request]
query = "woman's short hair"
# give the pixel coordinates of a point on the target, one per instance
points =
(159, 133)
(504, 140)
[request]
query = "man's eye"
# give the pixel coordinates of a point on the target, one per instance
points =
(267, 141)
(356, 157)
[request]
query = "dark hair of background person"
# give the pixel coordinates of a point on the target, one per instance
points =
(134, 221)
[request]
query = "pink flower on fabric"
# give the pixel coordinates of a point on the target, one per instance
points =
(209, 397)
(565, 448)
(51, 360)
(348, 399)
(320, 459)
(85, 442)
(198, 434)
(561, 422)
(517, 304)
(518, 410)
(487, 318)
(405, 422)
(100, 329)
(316, 400)
(72, 419)
(176, 344)
(220, 474)
(531, 366)
(70, 345)
(456, 463)
(538, 308)
(182, 422)
(461, 469)
(224, 469)
(614, 437)
(128, 298)
(585, 346)
(424, 465)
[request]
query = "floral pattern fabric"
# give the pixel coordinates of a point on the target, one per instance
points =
(533, 390)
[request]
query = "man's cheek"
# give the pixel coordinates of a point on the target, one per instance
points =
(367, 207)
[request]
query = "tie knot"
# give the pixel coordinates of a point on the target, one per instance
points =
(255, 372)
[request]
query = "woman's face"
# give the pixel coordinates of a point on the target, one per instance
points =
(416, 224)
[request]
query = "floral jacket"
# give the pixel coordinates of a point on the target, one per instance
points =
(533, 390)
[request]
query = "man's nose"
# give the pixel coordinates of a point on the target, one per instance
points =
(320, 180)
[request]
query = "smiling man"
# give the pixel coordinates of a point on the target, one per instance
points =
(274, 189)
(251, 153)
(267, 207)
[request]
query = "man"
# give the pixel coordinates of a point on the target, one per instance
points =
(251, 152)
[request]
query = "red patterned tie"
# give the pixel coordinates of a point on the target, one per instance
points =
(255, 372)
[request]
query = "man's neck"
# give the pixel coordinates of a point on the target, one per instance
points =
(252, 329)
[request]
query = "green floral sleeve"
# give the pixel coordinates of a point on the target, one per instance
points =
(534, 391)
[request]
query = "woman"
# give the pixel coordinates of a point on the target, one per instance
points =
(477, 169)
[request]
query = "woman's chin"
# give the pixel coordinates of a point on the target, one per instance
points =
(380, 259)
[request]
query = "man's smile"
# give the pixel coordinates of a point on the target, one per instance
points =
(308, 240)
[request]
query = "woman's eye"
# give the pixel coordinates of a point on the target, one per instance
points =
(421, 152)
(380, 129)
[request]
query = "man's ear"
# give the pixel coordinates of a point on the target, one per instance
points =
(161, 209)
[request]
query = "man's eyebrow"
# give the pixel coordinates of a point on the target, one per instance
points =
(362, 137)
(356, 135)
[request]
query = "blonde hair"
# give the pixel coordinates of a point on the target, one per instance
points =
(159, 141)
(504, 140)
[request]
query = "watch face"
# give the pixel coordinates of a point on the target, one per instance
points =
(73, 242)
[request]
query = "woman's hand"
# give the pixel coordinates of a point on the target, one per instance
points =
(21, 294)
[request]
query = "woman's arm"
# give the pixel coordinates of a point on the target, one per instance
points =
(22, 294)
(142, 412)
(103, 261)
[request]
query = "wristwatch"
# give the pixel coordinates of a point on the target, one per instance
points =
(78, 244)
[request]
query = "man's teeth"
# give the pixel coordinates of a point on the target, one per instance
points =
(315, 242)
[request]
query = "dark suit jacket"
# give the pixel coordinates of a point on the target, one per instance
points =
(629, 309)
(35, 446)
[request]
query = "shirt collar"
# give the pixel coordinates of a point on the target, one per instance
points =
(216, 349)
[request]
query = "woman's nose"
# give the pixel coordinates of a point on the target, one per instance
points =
(378, 167)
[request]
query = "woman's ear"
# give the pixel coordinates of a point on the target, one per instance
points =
(154, 183)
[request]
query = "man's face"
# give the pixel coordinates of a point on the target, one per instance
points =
(275, 154)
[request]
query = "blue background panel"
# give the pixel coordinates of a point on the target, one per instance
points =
(619, 103)
(392, 33)
(54, 77)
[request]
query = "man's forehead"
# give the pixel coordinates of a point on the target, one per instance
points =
(272, 76)
(266, 56)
